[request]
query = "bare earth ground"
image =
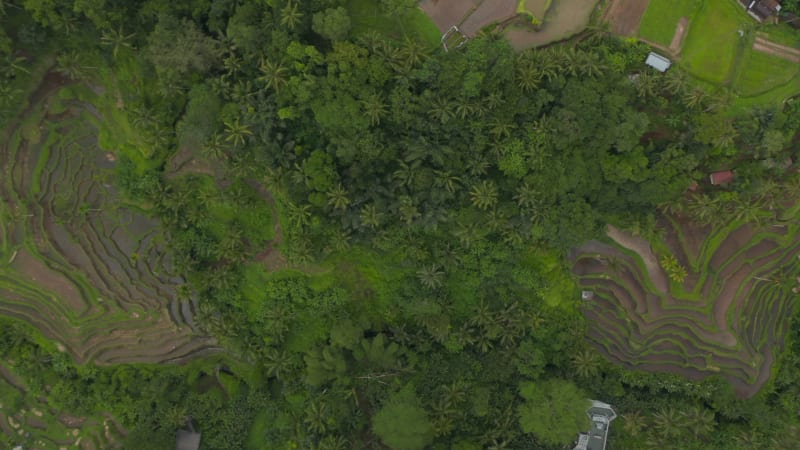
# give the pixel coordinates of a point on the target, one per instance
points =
(781, 51)
(446, 13)
(487, 13)
(642, 248)
(680, 32)
(564, 19)
(624, 16)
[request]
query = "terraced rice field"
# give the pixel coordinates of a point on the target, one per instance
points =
(76, 262)
(727, 317)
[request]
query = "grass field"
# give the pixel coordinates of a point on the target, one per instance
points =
(366, 16)
(712, 45)
(661, 18)
(761, 73)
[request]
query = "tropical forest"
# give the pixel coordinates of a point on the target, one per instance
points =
(399, 224)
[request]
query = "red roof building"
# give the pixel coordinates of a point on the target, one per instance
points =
(723, 177)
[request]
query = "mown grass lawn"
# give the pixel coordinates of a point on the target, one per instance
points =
(713, 43)
(662, 16)
(761, 73)
(366, 16)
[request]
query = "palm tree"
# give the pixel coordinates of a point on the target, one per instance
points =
(11, 64)
(484, 194)
(586, 364)
(633, 423)
(528, 77)
(526, 196)
(406, 173)
(215, 147)
(749, 211)
(699, 420)
(333, 443)
(667, 423)
(705, 210)
(408, 210)
(290, 16)
(374, 108)
(274, 75)
(117, 40)
(446, 180)
(431, 276)
(337, 197)
(467, 234)
(317, 417)
(675, 81)
(70, 65)
(370, 216)
(590, 64)
(694, 98)
(441, 109)
(237, 132)
(749, 440)
(645, 85)
(278, 363)
(413, 52)
(299, 215)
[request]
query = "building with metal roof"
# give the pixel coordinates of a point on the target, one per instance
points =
(658, 62)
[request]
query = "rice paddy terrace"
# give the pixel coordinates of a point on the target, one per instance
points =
(726, 315)
(76, 262)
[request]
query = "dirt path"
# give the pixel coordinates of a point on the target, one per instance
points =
(680, 32)
(642, 248)
(271, 256)
(624, 16)
(781, 51)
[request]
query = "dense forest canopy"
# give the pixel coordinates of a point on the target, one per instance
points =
(426, 201)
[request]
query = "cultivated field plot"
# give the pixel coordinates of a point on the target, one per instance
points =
(727, 316)
(661, 19)
(713, 42)
(75, 262)
(564, 19)
(724, 47)
(34, 423)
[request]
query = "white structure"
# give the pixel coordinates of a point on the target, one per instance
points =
(658, 62)
(601, 414)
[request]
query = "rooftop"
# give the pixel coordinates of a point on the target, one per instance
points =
(187, 440)
(722, 177)
(601, 415)
(658, 62)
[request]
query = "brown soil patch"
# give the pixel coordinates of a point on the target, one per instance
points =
(39, 273)
(772, 48)
(446, 13)
(487, 13)
(186, 162)
(642, 248)
(564, 19)
(624, 16)
(680, 33)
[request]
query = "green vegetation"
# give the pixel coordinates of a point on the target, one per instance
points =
(661, 19)
(761, 73)
(396, 19)
(713, 43)
(301, 224)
